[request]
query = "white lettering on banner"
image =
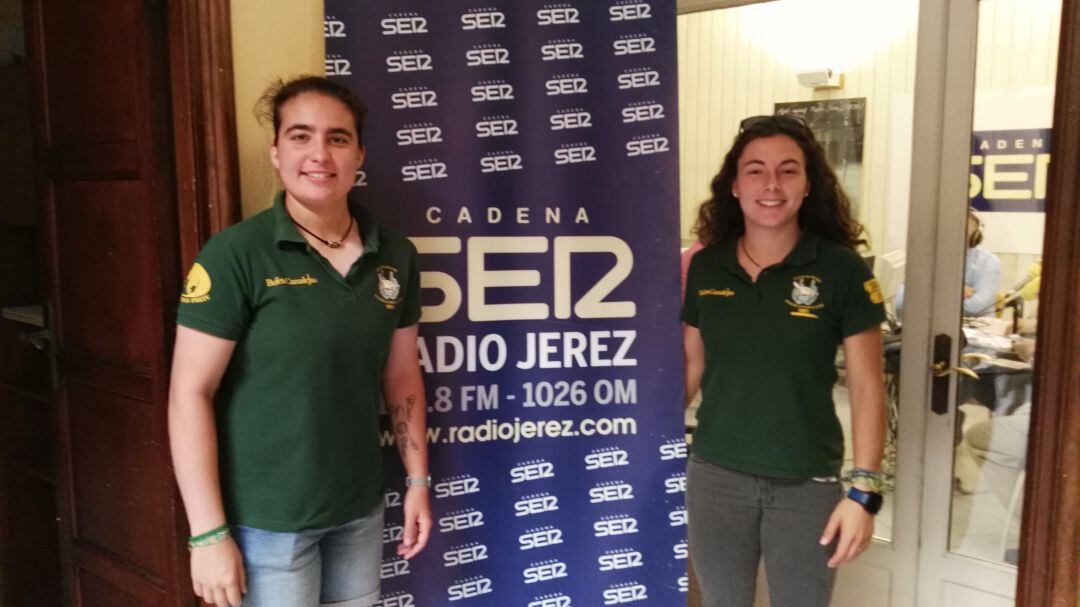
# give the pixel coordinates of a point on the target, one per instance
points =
(575, 154)
(496, 126)
(414, 97)
(676, 483)
(463, 555)
(630, 12)
(333, 28)
(684, 583)
(487, 54)
(642, 111)
(617, 560)
(576, 118)
(409, 61)
(404, 23)
(627, 592)
(674, 448)
(452, 354)
(645, 145)
(558, 16)
(609, 457)
(536, 504)
(999, 169)
(611, 491)
(419, 134)
(559, 50)
(551, 600)
(469, 588)
(456, 486)
(544, 571)
(361, 179)
(677, 517)
(638, 78)
(494, 215)
(459, 520)
(396, 599)
(634, 45)
(681, 551)
(338, 66)
(492, 90)
(500, 162)
(483, 19)
(392, 533)
(540, 538)
(609, 526)
(393, 567)
(542, 349)
(531, 471)
(392, 499)
(423, 170)
(567, 84)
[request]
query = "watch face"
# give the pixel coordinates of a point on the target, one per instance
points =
(869, 500)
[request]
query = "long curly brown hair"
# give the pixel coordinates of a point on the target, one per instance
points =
(826, 211)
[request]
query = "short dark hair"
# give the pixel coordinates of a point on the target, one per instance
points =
(280, 92)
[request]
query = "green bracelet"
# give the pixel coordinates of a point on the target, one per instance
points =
(214, 536)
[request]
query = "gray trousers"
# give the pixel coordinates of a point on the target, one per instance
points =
(736, 519)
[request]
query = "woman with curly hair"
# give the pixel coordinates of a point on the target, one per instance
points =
(776, 291)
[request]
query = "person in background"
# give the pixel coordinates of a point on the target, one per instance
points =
(774, 293)
(291, 326)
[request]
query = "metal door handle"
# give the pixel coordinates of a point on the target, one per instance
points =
(40, 340)
(942, 369)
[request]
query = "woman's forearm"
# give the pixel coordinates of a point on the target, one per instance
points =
(193, 442)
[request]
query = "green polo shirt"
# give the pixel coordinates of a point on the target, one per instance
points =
(298, 406)
(770, 351)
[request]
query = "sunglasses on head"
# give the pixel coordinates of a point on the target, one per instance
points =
(786, 120)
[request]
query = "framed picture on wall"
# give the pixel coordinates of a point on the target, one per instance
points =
(838, 125)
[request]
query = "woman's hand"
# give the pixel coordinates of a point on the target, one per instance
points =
(417, 522)
(855, 526)
(217, 573)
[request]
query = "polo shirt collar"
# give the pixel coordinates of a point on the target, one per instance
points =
(286, 231)
(805, 251)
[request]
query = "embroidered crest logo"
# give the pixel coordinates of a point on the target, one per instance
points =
(389, 289)
(197, 286)
(804, 296)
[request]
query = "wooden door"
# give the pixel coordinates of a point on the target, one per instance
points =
(101, 87)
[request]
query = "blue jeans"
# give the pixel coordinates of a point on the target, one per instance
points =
(335, 566)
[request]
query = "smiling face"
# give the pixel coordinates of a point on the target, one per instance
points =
(771, 183)
(316, 151)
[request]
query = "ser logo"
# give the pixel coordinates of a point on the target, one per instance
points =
(634, 45)
(456, 486)
(361, 179)
(574, 154)
(616, 560)
(338, 66)
(544, 571)
(536, 504)
(566, 85)
(532, 470)
(464, 555)
(496, 126)
(397, 599)
(638, 79)
(630, 12)
(488, 54)
(392, 533)
(392, 499)
(501, 162)
(570, 119)
(675, 483)
(483, 20)
(394, 567)
(419, 134)
(558, 50)
(424, 171)
(408, 99)
(492, 90)
(460, 520)
(627, 592)
(469, 588)
(539, 538)
(681, 551)
(558, 16)
(684, 583)
(615, 525)
(333, 28)
(551, 600)
(643, 111)
(611, 492)
(404, 24)
(608, 458)
(409, 61)
(673, 449)
(643, 146)
(677, 517)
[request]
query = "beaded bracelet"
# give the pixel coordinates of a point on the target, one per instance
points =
(214, 536)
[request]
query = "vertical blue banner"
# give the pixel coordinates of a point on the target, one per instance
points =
(528, 149)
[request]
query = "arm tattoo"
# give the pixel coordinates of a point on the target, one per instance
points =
(400, 415)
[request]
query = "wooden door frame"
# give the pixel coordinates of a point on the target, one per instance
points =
(1050, 538)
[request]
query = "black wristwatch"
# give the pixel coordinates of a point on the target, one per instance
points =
(869, 500)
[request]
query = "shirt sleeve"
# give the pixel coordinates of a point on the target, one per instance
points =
(863, 305)
(985, 279)
(215, 299)
(690, 301)
(411, 311)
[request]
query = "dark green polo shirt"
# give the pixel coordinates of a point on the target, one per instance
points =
(298, 406)
(770, 351)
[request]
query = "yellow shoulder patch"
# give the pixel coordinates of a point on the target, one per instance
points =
(874, 290)
(197, 286)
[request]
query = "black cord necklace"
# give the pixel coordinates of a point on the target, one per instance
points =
(742, 245)
(333, 244)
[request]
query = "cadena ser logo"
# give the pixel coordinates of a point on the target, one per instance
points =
(392, 499)
(393, 567)
(543, 571)
(574, 153)
(610, 526)
(197, 285)
(540, 537)
(673, 448)
(566, 84)
(413, 97)
(469, 588)
(409, 61)
(643, 111)
(607, 457)
(492, 90)
(333, 27)
(551, 600)
(532, 470)
(684, 583)
(459, 520)
(677, 517)
(500, 162)
(616, 560)
(630, 10)
(463, 555)
(626, 592)
(483, 19)
(336, 65)
(456, 486)
(392, 534)
(419, 134)
(558, 14)
(398, 598)
(487, 54)
(537, 503)
(397, 24)
(643, 145)
(424, 170)
(570, 118)
(562, 49)
(676, 483)
(611, 491)
(680, 551)
(638, 78)
(634, 44)
(496, 126)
